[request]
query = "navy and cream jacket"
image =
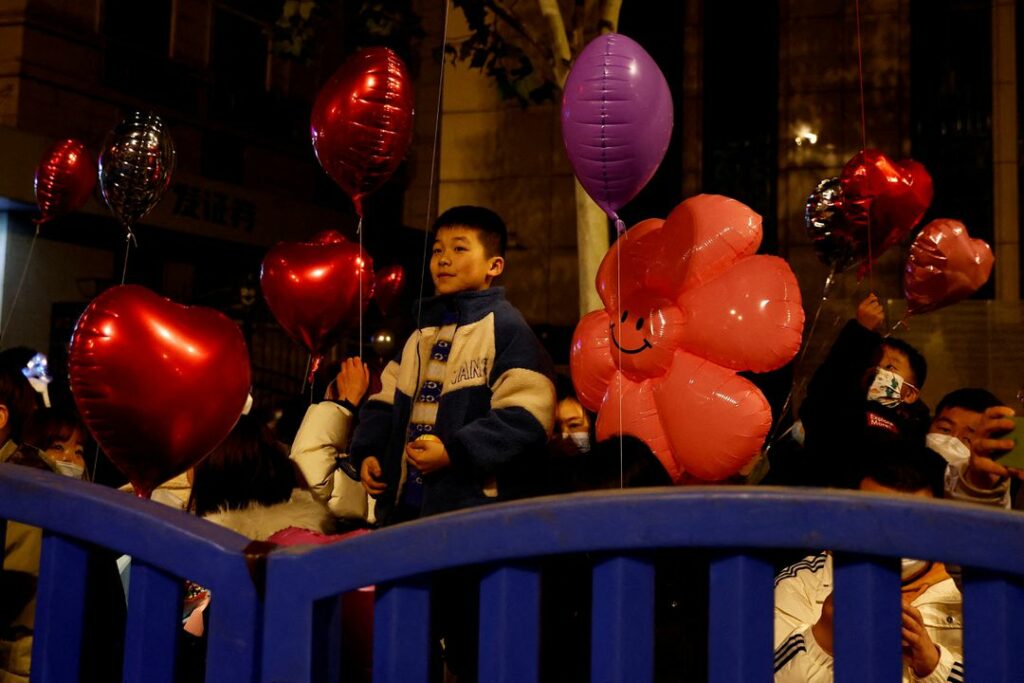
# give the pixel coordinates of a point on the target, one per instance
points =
(494, 415)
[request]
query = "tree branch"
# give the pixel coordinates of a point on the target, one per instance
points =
(562, 57)
(516, 25)
(610, 10)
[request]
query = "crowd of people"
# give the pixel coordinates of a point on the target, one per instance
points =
(470, 413)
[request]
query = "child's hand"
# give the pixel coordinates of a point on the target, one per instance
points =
(919, 652)
(351, 382)
(428, 455)
(371, 476)
(870, 313)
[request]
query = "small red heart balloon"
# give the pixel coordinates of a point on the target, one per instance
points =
(388, 286)
(887, 198)
(65, 178)
(158, 384)
(945, 265)
(361, 123)
(313, 288)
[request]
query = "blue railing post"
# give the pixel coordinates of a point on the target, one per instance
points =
(867, 619)
(740, 604)
(154, 620)
(993, 637)
(509, 625)
(622, 621)
(401, 633)
(60, 609)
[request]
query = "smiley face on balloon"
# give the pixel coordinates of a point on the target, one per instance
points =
(688, 304)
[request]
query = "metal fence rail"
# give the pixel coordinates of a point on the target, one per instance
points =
(166, 546)
(281, 637)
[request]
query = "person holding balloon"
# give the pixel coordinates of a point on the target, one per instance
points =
(468, 407)
(868, 388)
(464, 414)
(322, 439)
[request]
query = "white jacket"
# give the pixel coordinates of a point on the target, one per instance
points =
(323, 438)
(800, 591)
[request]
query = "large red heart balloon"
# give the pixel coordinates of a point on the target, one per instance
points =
(883, 200)
(944, 266)
(313, 288)
(388, 286)
(158, 384)
(362, 121)
(65, 178)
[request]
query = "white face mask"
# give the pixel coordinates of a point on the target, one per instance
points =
(581, 440)
(69, 469)
(910, 568)
(887, 388)
(953, 450)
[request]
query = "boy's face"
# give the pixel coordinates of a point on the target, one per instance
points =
(459, 261)
(958, 422)
(897, 361)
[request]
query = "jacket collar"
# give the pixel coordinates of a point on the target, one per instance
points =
(468, 307)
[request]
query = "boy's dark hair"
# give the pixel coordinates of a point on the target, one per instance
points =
(611, 465)
(248, 467)
(917, 362)
(969, 398)
(19, 397)
(905, 466)
(491, 229)
(563, 387)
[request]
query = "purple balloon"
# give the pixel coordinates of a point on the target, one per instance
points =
(616, 120)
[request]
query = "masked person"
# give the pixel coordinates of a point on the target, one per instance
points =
(867, 389)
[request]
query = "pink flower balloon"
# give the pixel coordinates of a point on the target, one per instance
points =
(688, 304)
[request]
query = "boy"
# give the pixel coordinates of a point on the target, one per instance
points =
(463, 415)
(867, 390)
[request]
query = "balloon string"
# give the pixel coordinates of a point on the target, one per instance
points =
(864, 136)
(433, 169)
(21, 282)
(860, 74)
(305, 375)
(129, 240)
(830, 282)
(618, 316)
(362, 276)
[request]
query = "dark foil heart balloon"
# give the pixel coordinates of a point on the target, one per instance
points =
(158, 384)
(388, 286)
(945, 265)
(886, 197)
(64, 179)
(313, 288)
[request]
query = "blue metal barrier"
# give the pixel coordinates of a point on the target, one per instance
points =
(866, 532)
(166, 545)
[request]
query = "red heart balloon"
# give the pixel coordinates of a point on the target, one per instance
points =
(65, 178)
(388, 286)
(158, 384)
(362, 121)
(944, 266)
(313, 288)
(883, 197)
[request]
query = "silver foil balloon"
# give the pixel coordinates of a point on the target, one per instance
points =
(136, 166)
(827, 228)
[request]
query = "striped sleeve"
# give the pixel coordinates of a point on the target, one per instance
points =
(799, 659)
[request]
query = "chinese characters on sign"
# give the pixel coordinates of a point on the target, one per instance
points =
(211, 206)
